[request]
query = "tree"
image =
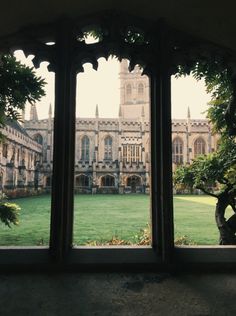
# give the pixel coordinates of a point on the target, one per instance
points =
(18, 85)
(215, 174)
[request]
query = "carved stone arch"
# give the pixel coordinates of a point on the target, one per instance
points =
(134, 181)
(38, 138)
(48, 181)
(81, 136)
(107, 180)
(106, 136)
(82, 180)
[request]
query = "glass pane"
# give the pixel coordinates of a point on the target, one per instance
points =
(26, 164)
(112, 188)
(193, 145)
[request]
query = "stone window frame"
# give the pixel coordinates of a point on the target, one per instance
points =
(38, 138)
(162, 51)
(85, 148)
(177, 155)
(140, 89)
(107, 181)
(84, 183)
(128, 90)
(128, 93)
(108, 148)
(199, 146)
(131, 153)
(5, 150)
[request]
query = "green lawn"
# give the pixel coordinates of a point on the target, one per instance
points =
(99, 217)
(195, 218)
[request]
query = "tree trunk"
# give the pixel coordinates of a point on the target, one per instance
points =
(227, 229)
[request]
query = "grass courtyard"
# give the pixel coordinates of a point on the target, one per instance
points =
(101, 217)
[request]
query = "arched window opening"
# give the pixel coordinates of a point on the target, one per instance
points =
(82, 181)
(85, 148)
(177, 151)
(128, 93)
(1, 180)
(108, 181)
(128, 90)
(199, 147)
(48, 181)
(4, 150)
(140, 89)
(38, 138)
(134, 182)
(108, 148)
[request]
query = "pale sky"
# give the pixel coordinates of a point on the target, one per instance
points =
(102, 87)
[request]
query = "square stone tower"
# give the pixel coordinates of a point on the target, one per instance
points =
(134, 93)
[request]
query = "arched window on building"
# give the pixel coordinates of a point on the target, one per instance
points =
(1, 180)
(140, 89)
(177, 151)
(140, 92)
(107, 181)
(128, 90)
(85, 148)
(38, 138)
(82, 181)
(108, 148)
(134, 182)
(4, 150)
(128, 93)
(48, 181)
(199, 147)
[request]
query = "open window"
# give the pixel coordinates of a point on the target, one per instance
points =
(130, 154)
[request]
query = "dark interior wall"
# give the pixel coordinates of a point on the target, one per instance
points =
(212, 20)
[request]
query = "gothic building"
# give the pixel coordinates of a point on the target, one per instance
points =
(19, 156)
(112, 154)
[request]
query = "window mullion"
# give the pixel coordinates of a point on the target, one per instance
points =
(64, 144)
(155, 99)
(166, 148)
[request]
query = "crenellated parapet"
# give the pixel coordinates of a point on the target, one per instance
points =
(13, 135)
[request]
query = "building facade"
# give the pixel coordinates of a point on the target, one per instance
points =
(112, 154)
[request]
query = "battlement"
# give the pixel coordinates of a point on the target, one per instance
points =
(21, 138)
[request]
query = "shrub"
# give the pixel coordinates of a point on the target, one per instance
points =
(9, 212)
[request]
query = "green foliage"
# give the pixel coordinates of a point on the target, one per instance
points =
(215, 73)
(216, 170)
(219, 83)
(135, 36)
(18, 85)
(183, 177)
(216, 114)
(9, 212)
(183, 241)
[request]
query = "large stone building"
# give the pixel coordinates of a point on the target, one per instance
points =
(19, 157)
(112, 154)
